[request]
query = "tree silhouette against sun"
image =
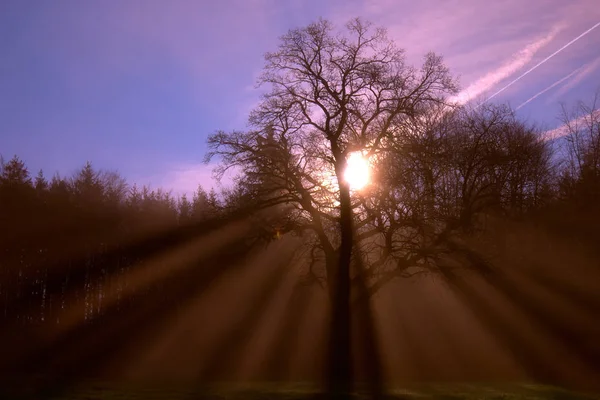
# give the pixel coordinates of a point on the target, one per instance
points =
(334, 101)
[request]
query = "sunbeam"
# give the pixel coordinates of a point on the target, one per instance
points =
(366, 233)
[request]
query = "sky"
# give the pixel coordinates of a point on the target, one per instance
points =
(136, 86)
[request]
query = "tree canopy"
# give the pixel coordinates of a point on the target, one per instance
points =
(331, 94)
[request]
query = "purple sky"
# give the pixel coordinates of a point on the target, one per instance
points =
(136, 86)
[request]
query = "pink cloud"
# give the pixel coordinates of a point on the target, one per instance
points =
(484, 42)
(587, 120)
(516, 63)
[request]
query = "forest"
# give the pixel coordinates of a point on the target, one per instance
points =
(517, 174)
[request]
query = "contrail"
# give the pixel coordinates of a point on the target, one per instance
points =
(558, 82)
(543, 61)
(506, 70)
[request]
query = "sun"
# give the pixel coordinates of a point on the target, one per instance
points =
(357, 171)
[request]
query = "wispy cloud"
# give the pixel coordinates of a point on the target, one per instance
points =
(576, 123)
(583, 72)
(543, 61)
(517, 62)
(558, 82)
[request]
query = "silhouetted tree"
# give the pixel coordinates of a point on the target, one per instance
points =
(330, 94)
(185, 209)
(581, 174)
(41, 184)
(497, 162)
(199, 204)
(15, 173)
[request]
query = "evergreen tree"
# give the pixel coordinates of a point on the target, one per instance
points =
(87, 185)
(185, 209)
(15, 173)
(41, 184)
(199, 204)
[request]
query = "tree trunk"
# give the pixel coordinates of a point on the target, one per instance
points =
(339, 368)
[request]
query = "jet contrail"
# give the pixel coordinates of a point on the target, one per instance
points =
(558, 82)
(543, 61)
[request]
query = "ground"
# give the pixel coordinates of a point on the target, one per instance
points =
(104, 391)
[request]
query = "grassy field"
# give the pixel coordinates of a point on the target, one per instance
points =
(100, 391)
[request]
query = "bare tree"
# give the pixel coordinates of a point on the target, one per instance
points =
(582, 125)
(330, 94)
(498, 162)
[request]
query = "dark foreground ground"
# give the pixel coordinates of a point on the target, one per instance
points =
(102, 391)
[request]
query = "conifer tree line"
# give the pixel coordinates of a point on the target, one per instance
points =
(49, 225)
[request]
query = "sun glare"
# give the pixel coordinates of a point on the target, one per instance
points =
(357, 171)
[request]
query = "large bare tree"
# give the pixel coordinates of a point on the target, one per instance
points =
(330, 93)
